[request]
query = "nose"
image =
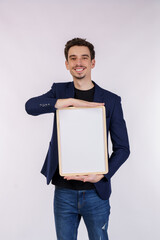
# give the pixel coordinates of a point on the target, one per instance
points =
(79, 62)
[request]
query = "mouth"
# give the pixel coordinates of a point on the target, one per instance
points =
(79, 69)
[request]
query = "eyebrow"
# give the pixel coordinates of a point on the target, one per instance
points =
(83, 55)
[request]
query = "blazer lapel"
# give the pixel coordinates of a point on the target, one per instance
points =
(70, 90)
(98, 94)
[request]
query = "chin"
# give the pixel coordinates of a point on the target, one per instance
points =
(79, 77)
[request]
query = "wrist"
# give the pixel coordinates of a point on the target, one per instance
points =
(102, 176)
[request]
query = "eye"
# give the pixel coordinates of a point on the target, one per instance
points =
(73, 59)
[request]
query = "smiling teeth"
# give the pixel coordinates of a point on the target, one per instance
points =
(79, 70)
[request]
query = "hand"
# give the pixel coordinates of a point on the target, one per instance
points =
(62, 103)
(92, 178)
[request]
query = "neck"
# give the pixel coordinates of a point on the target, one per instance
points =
(82, 84)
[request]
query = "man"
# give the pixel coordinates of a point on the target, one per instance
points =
(82, 196)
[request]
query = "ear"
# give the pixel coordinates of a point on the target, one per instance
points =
(67, 64)
(93, 62)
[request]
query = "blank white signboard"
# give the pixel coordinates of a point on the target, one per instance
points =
(82, 142)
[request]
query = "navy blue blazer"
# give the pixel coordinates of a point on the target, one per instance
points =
(115, 126)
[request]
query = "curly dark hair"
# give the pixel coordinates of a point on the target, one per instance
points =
(79, 42)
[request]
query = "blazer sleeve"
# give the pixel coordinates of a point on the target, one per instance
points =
(42, 104)
(119, 138)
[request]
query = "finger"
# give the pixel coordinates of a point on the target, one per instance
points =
(90, 178)
(74, 178)
(87, 179)
(94, 104)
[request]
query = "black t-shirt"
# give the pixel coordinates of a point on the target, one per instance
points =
(57, 180)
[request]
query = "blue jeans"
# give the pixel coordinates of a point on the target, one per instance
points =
(71, 205)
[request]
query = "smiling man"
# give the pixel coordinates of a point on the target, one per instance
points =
(82, 196)
(79, 62)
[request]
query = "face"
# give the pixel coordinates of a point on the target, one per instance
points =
(79, 62)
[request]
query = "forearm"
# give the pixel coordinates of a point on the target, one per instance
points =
(40, 105)
(48, 104)
(62, 103)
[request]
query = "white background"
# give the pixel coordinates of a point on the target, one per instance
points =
(126, 35)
